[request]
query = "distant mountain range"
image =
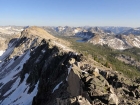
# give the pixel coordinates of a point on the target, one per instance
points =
(11, 29)
(134, 31)
(116, 30)
(69, 31)
(115, 37)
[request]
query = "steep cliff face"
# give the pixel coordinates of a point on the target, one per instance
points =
(38, 69)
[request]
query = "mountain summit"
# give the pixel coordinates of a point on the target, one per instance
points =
(36, 31)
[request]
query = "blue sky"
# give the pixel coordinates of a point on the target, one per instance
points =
(70, 12)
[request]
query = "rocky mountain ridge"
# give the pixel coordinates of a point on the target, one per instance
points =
(115, 30)
(10, 30)
(39, 69)
(134, 31)
(125, 38)
(119, 42)
(71, 31)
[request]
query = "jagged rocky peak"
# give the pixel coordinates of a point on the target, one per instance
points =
(95, 30)
(22, 64)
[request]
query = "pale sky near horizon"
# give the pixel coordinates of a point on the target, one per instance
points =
(70, 12)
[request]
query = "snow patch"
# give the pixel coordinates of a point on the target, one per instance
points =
(57, 86)
(43, 51)
(69, 69)
(85, 72)
(138, 40)
(1, 52)
(136, 44)
(11, 68)
(116, 44)
(20, 96)
(76, 31)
